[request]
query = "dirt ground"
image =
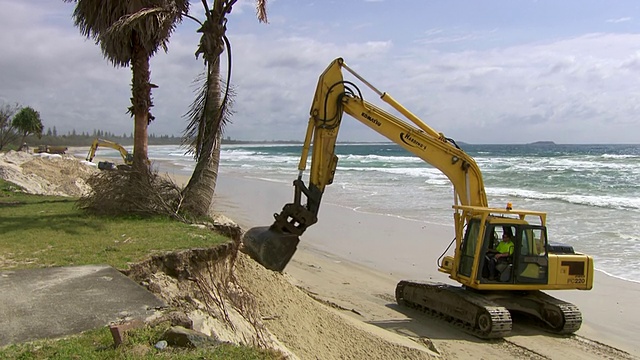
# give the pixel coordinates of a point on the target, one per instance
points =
(320, 308)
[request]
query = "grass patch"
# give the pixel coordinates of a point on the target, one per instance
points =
(43, 231)
(139, 344)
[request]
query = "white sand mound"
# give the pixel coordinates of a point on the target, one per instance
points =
(46, 174)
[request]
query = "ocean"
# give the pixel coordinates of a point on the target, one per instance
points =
(591, 193)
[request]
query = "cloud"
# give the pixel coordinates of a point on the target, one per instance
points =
(543, 90)
(619, 20)
(57, 71)
(567, 89)
(440, 36)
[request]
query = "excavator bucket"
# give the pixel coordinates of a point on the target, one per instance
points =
(271, 248)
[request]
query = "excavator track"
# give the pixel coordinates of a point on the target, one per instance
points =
(487, 315)
(573, 319)
(476, 314)
(557, 316)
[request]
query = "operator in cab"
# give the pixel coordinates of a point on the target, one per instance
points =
(500, 260)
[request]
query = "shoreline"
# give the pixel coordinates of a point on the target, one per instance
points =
(615, 276)
(623, 266)
(181, 177)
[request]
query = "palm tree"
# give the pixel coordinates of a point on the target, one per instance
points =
(210, 110)
(130, 32)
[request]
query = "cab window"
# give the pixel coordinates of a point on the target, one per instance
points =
(469, 245)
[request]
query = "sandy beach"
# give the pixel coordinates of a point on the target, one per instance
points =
(355, 259)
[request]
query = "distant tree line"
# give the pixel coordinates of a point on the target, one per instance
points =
(22, 125)
(73, 138)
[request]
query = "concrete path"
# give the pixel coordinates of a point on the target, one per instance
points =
(54, 302)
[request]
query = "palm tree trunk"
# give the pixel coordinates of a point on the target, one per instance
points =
(141, 102)
(199, 192)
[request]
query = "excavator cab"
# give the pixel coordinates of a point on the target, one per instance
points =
(534, 262)
(528, 252)
(497, 263)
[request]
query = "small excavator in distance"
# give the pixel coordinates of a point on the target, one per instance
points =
(106, 165)
(482, 304)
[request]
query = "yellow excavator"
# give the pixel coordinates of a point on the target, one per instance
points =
(483, 304)
(106, 165)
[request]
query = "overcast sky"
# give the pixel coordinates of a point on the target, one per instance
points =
(503, 71)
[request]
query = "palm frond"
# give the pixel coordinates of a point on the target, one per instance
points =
(111, 23)
(196, 116)
(196, 131)
(152, 28)
(226, 6)
(261, 11)
(227, 101)
(153, 25)
(204, 121)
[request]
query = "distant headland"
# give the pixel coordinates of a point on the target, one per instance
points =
(542, 143)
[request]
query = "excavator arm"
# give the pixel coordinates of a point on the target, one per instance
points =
(415, 137)
(274, 246)
(126, 157)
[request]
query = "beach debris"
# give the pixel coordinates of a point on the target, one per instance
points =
(161, 345)
(183, 337)
(119, 330)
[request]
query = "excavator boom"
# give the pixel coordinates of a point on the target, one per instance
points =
(126, 156)
(274, 246)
